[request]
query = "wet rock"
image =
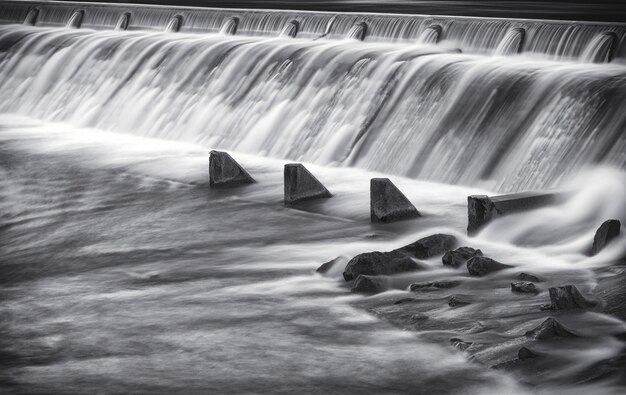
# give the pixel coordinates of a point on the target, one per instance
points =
(377, 263)
(460, 256)
(525, 354)
(549, 329)
(481, 266)
(404, 300)
(370, 284)
(612, 291)
(528, 277)
(460, 300)
(328, 265)
(460, 344)
(430, 246)
(434, 285)
(417, 318)
(611, 369)
(525, 287)
(567, 298)
(606, 233)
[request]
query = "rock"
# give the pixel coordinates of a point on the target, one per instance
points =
(525, 354)
(225, 172)
(528, 277)
(404, 300)
(549, 329)
(388, 204)
(460, 300)
(430, 246)
(327, 266)
(612, 291)
(606, 233)
(417, 318)
(568, 298)
(460, 256)
(434, 285)
(370, 284)
(460, 344)
(525, 287)
(376, 263)
(301, 185)
(481, 266)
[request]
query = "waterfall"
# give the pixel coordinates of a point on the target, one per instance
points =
(290, 30)
(512, 43)
(76, 19)
(508, 123)
(31, 17)
(601, 49)
(174, 24)
(358, 31)
(230, 26)
(122, 23)
(431, 35)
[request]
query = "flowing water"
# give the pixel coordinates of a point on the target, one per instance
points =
(120, 271)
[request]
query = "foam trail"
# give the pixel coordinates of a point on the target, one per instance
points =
(567, 229)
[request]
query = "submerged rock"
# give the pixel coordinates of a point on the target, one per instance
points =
(481, 266)
(567, 298)
(370, 284)
(549, 329)
(377, 263)
(525, 354)
(606, 233)
(430, 246)
(460, 256)
(612, 291)
(460, 344)
(404, 300)
(460, 300)
(329, 265)
(417, 318)
(434, 285)
(528, 277)
(525, 287)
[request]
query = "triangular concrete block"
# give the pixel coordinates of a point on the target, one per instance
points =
(388, 204)
(301, 185)
(225, 172)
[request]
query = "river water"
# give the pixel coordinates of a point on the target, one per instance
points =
(120, 271)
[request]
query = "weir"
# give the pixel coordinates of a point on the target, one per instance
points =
(471, 35)
(519, 108)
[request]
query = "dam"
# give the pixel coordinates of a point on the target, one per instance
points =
(125, 269)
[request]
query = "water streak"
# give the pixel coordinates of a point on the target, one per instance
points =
(506, 123)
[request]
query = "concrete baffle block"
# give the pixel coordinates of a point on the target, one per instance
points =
(482, 209)
(388, 204)
(301, 185)
(225, 172)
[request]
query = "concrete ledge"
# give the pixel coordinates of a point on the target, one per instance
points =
(301, 185)
(481, 209)
(225, 172)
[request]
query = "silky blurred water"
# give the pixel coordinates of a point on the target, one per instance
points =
(122, 272)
